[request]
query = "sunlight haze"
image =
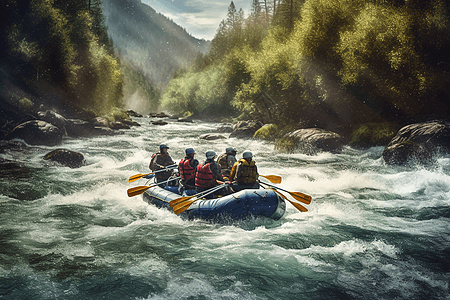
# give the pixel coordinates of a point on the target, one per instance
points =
(199, 17)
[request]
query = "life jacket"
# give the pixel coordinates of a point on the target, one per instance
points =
(186, 171)
(151, 167)
(222, 161)
(248, 172)
(204, 177)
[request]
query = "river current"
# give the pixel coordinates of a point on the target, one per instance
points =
(372, 231)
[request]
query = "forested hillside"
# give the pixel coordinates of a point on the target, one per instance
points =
(150, 41)
(58, 54)
(324, 63)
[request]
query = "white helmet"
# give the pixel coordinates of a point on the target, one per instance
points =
(210, 154)
(247, 154)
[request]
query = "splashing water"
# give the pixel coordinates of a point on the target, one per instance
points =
(372, 231)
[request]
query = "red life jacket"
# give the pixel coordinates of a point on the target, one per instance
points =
(186, 171)
(204, 177)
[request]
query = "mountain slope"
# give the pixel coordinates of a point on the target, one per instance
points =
(149, 40)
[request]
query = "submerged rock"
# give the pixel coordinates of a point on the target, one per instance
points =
(159, 123)
(66, 158)
(38, 132)
(420, 141)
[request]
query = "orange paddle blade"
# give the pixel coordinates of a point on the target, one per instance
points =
(137, 176)
(179, 208)
(296, 205)
(272, 178)
(179, 200)
(137, 190)
(301, 197)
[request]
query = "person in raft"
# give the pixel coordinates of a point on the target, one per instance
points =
(244, 173)
(187, 167)
(207, 174)
(226, 161)
(160, 161)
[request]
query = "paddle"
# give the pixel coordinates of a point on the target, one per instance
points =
(142, 188)
(179, 208)
(139, 176)
(272, 178)
(184, 198)
(296, 205)
(296, 195)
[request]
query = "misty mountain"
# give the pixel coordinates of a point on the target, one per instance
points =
(149, 40)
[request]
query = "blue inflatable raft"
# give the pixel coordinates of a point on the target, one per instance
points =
(237, 206)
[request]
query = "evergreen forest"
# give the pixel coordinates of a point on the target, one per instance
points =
(333, 64)
(58, 53)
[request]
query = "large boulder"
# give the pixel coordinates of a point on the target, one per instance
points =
(37, 132)
(245, 129)
(225, 128)
(54, 118)
(66, 158)
(159, 123)
(310, 141)
(420, 142)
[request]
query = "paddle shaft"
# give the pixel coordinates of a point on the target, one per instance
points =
(179, 208)
(297, 195)
(140, 189)
(139, 176)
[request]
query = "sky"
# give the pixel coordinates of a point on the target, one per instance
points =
(200, 18)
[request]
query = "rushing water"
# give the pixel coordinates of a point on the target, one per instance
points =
(372, 231)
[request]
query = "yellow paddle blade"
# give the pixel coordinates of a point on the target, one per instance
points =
(296, 205)
(179, 200)
(272, 178)
(301, 197)
(137, 176)
(137, 190)
(179, 208)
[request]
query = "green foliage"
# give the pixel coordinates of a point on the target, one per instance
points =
(63, 45)
(373, 134)
(333, 63)
(193, 92)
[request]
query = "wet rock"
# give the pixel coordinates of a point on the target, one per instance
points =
(159, 115)
(38, 132)
(54, 118)
(100, 121)
(245, 129)
(225, 128)
(159, 123)
(80, 128)
(66, 158)
(130, 123)
(420, 142)
(119, 125)
(211, 136)
(310, 141)
(132, 113)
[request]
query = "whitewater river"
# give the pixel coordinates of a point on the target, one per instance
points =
(372, 231)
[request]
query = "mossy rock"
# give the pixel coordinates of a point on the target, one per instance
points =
(373, 134)
(267, 132)
(286, 144)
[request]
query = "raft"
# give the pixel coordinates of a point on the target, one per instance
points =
(237, 206)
